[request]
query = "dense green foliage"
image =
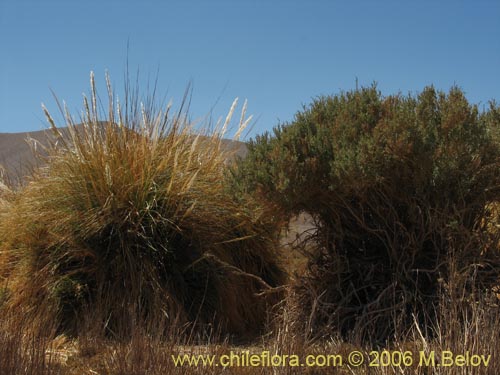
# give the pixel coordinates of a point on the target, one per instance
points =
(401, 189)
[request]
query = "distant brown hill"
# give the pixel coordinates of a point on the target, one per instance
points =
(17, 159)
(16, 154)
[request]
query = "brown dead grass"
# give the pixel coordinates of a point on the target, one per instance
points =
(475, 329)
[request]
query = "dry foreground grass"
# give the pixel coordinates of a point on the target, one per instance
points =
(127, 254)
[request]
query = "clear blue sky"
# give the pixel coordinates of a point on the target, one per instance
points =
(277, 54)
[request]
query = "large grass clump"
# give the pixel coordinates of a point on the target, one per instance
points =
(130, 218)
(403, 192)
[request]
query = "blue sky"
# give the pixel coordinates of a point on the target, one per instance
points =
(277, 54)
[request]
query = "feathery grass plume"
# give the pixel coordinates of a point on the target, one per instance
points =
(131, 213)
(4, 191)
(6, 194)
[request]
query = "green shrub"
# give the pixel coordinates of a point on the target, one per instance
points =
(131, 218)
(400, 188)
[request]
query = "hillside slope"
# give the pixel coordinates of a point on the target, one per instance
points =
(16, 152)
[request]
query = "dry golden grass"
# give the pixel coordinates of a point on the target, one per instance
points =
(474, 329)
(131, 213)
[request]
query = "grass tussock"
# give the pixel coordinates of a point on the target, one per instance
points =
(131, 214)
